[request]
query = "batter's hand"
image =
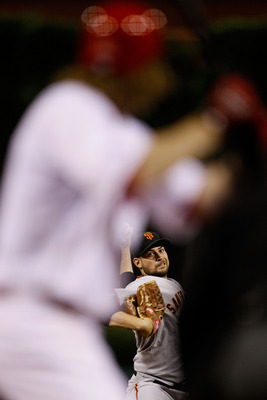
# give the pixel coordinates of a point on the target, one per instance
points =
(235, 98)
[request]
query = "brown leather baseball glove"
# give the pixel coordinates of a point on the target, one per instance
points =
(147, 303)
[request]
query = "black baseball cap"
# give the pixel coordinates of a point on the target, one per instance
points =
(148, 240)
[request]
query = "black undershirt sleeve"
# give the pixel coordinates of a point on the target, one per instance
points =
(126, 278)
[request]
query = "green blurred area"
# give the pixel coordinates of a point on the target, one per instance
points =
(122, 343)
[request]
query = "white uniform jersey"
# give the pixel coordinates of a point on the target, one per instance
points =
(63, 199)
(159, 355)
(64, 196)
(70, 162)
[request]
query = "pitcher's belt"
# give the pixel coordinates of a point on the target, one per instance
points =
(182, 387)
(177, 386)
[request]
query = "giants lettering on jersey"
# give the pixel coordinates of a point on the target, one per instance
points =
(177, 301)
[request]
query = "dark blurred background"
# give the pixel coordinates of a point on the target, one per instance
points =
(38, 38)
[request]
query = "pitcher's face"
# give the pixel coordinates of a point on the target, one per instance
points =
(155, 262)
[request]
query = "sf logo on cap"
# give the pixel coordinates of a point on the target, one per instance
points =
(149, 235)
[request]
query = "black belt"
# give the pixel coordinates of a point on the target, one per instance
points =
(177, 386)
(182, 387)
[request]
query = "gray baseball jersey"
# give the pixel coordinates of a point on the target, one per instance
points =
(159, 355)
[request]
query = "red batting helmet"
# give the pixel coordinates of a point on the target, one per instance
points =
(120, 36)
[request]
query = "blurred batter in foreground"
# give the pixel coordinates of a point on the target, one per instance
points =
(80, 163)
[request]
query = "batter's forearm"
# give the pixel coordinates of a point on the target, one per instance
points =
(198, 135)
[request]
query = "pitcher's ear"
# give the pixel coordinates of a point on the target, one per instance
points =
(137, 262)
